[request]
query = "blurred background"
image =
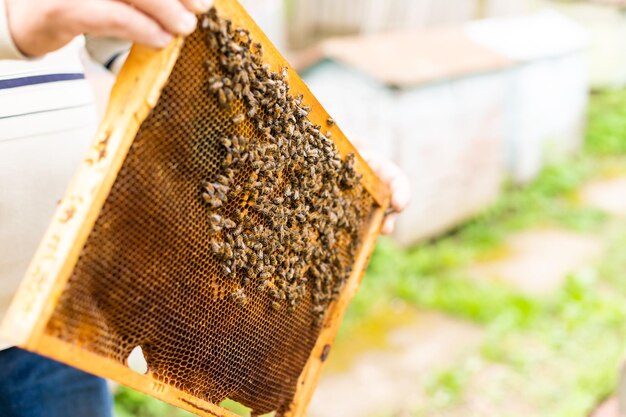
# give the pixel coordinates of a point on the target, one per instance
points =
(503, 291)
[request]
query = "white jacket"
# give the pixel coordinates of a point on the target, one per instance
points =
(47, 119)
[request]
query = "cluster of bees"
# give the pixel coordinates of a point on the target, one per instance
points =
(291, 229)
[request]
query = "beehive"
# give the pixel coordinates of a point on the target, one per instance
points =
(221, 222)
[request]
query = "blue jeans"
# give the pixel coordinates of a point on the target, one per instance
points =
(34, 386)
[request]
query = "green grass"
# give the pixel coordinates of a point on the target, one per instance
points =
(607, 124)
(129, 403)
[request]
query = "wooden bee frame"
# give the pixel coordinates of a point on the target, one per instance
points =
(135, 94)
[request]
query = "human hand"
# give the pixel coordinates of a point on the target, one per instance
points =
(397, 182)
(42, 26)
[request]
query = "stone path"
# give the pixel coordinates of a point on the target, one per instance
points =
(392, 378)
(609, 408)
(607, 195)
(539, 261)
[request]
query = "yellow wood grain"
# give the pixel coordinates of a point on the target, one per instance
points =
(147, 384)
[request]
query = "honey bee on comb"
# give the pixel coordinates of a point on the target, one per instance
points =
(300, 178)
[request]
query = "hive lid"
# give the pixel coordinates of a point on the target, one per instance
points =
(408, 59)
(527, 38)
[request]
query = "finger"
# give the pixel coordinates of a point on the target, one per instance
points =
(197, 6)
(170, 14)
(389, 225)
(384, 168)
(116, 19)
(400, 192)
(397, 181)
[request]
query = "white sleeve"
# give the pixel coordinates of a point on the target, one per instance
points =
(109, 52)
(8, 50)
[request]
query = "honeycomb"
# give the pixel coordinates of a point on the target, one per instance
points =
(230, 229)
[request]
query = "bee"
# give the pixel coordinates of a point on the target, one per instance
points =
(212, 42)
(230, 96)
(212, 201)
(229, 224)
(215, 227)
(330, 122)
(216, 86)
(222, 98)
(217, 247)
(240, 297)
(227, 161)
(208, 65)
(238, 261)
(276, 305)
(228, 251)
(205, 23)
(253, 259)
(226, 142)
(222, 183)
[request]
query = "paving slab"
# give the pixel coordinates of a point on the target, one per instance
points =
(609, 408)
(393, 378)
(539, 261)
(608, 195)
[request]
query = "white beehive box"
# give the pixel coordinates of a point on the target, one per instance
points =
(606, 22)
(432, 101)
(551, 86)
